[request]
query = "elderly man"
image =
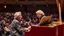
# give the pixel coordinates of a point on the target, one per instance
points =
(39, 14)
(43, 20)
(15, 27)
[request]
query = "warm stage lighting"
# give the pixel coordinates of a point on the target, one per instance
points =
(5, 6)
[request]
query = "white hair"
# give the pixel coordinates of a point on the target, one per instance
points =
(17, 14)
(40, 12)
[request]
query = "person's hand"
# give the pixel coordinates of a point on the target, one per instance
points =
(28, 29)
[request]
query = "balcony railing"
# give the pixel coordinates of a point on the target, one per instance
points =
(26, 2)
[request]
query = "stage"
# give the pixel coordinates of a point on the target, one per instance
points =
(46, 31)
(41, 31)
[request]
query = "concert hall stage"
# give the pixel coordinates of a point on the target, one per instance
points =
(41, 31)
(46, 31)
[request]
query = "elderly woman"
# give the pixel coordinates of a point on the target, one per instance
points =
(15, 27)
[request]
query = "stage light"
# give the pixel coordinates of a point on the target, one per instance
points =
(5, 6)
(20, 5)
(47, 5)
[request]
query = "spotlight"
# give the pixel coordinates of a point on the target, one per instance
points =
(5, 6)
(20, 5)
(47, 5)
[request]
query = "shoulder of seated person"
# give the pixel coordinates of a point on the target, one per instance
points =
(44, 16)
(15, 20)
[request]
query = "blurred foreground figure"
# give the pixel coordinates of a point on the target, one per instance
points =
(15, 27)
(7, 30)
(43, 20)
